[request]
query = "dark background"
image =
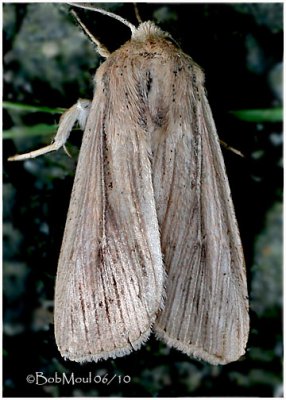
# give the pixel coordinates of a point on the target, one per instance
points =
(49, 62)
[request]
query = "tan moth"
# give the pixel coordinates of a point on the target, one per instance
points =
(151, 240)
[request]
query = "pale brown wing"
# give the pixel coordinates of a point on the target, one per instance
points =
(110, 274)
(206, 310)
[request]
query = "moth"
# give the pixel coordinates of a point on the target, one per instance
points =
(151, 241)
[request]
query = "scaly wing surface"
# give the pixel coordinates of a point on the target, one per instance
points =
(110, 274)
(206, 310)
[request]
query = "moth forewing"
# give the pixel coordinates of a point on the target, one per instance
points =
(110, 274)
(206, 310)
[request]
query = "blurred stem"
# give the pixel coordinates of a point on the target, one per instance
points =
(25, 107)
(30, 131)
(260, 115)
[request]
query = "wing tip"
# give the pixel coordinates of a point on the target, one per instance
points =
(197, 352)
(104, 355)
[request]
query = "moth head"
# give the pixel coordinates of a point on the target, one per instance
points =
(148, 30)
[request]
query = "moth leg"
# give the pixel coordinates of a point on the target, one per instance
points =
(77, 113)
(228, 147)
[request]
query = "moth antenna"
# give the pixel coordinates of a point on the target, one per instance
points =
(137, 14)
(228, 147)
(108, 13)
(101, 49)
